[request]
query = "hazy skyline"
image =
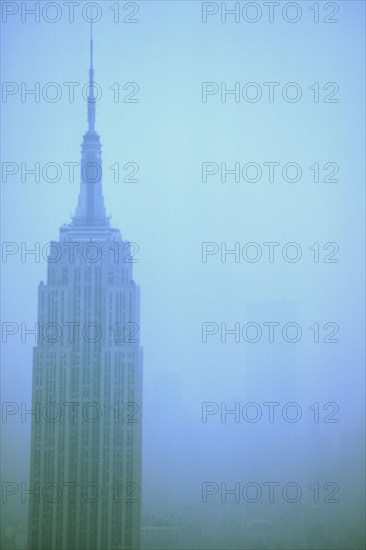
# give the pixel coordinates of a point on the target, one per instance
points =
(170, 212)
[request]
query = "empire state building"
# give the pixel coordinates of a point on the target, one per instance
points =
(85, 478)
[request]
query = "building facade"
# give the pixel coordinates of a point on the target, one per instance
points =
(85, 478)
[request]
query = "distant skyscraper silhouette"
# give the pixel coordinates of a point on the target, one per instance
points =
(87, 380)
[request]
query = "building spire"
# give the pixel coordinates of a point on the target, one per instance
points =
(90, 209)
(91, 96)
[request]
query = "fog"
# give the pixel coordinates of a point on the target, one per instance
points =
(252, 290)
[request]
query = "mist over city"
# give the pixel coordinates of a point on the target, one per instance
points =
(183, 331)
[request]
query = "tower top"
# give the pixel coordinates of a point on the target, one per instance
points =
(91, 96)
(90, 210)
